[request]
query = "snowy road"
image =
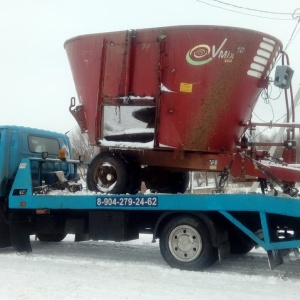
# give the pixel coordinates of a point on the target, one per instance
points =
(136, 270)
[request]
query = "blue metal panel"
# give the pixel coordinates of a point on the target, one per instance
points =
(265, 242)
(242, 227)
(14, 146)
(265, 227)
(36, 131)
(3, 160)
(22, 197)
(180, 202)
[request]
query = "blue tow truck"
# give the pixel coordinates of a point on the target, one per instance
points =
(195, 230)
(17, 142)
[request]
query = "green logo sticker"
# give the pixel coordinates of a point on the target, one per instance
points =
(203, 54)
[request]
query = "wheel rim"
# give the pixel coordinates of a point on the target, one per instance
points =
(185, 243)
(106, 177)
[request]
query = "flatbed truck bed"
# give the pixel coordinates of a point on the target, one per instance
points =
(195, 230)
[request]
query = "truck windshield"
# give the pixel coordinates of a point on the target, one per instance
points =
(42, 144)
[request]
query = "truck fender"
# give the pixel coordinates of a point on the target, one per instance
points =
(218, 235)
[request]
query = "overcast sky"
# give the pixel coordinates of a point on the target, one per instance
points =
(35, 78)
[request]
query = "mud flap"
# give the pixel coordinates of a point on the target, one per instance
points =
(278, 257)
(275, 258)
(81, 237)
(19, 233)
(4, 235)
(4, 230)
(224, 251)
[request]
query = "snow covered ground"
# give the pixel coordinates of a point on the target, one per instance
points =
(136, 270)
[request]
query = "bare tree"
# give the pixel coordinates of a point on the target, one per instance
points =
(80, 146)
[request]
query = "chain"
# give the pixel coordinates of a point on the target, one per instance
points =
(224, 177)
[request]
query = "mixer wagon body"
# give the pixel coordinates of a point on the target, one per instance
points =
(194, 84)
(182, 94)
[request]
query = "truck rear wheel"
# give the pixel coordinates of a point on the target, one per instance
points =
(107, 173)
(240, 243)
(185, 244)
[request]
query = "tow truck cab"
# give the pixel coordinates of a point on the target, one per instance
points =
(17, 142)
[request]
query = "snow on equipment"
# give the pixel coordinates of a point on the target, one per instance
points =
(164, 101)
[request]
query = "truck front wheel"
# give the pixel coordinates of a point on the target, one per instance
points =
(185, 244)
(51, 237)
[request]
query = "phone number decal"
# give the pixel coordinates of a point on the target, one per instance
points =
(127, 201)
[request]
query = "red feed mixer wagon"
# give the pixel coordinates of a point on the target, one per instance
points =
(161, 102)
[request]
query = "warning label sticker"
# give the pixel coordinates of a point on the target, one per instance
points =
(186, 87)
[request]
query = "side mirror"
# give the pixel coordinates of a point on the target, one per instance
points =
(44, 155)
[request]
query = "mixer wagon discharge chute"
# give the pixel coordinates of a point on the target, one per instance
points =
(161, 102)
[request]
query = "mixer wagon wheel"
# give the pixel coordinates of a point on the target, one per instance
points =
(107, 173)
(134, 182)
(165, 181)
(185, 244)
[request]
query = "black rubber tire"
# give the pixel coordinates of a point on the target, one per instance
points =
(107, 173)
(134, 181)
(164, 181)
(185, 244)
(51, 237)
(4, 235)
(180, 182)
(240, 248)
(240, 244)
(19, 230)
(4, 230)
